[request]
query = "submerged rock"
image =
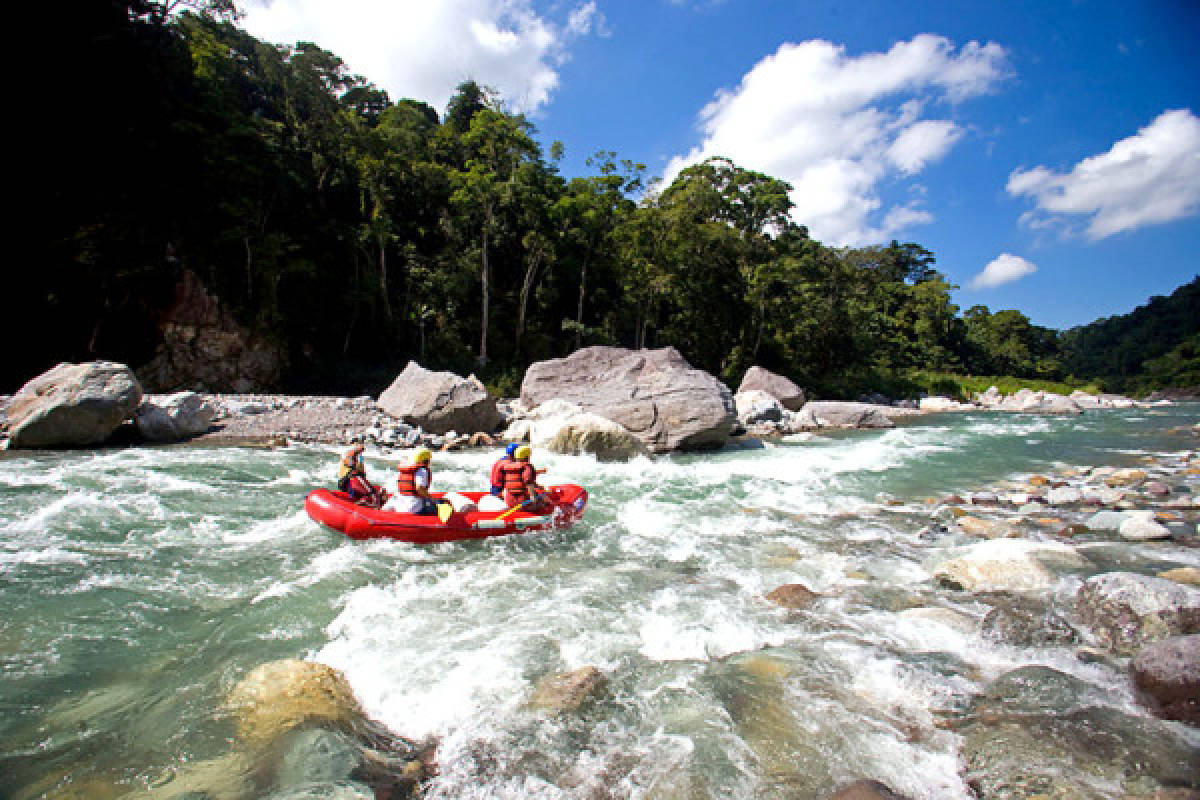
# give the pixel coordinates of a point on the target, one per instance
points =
(317, 755)
(328, 790)
(866, 790)
(1037, 731)
(1168, 675)
(1126, 610)
(279, 696)
(1027, 622)
(567, 692)
(795, 596)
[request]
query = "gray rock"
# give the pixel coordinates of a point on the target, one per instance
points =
(1037, 731)
(833, 414)
(567, 692)
(1127, 611)
(1024, 622)
(563, 427)
(755, 406)
(1065, 496)
(866, 790)
(340, 790)
(439, 402)
(789, 395)
(173, 417)
(1105, 521)
(73, 405)
(317, 755)
(655, 394)
(1168, 675)
(1142, 527)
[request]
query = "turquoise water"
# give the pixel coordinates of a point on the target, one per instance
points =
(140, 585)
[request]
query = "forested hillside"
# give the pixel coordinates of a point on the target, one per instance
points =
(1153, 346)
(348, 232)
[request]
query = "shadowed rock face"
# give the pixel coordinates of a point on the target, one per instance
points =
(655, 394)
(440, 401)
(1168, 675)
(73, 405)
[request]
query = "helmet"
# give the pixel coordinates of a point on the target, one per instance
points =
(422, 456)
(512, 448)
(523, 452)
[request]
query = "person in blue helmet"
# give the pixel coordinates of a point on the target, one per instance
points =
(498, 469)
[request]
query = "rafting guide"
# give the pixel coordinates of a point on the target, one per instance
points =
(352, 478)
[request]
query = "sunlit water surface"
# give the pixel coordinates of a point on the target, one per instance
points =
(139, 585)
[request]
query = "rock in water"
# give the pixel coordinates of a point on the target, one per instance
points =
(866, 790)
(1007, 565)
(1168, 673)
(440, 402)
(173, 417)
(279, 696)
(833, 414)
(73, 405)
(567, 691)
(563, 427)
(789, 395)
(1127, 611)
(655, 394)
(792, 595)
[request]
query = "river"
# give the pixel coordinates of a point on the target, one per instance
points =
(138, 585)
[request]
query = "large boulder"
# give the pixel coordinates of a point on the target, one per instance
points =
(440, 402)
(73, 405)
(655, 394)
(1127, 611)
(170, 418)
(789, 395)
(1027, 401)
(563, 427)
(835, 414)
(1168, 674)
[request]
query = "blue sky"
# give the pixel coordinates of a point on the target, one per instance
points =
(1048, 153)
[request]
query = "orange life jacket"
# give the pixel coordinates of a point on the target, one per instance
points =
(516, 475)
(406, 480)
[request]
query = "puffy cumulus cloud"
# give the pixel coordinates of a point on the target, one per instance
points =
(1004, 268)
(1146, 179)
(424, 48)
(835, 126)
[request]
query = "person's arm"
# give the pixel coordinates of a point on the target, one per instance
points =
(422, 489)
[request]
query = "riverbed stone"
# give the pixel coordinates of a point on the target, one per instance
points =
(1105, 521)
(1142, 527)
(655, 394)
(230, 777)
(755, 407)
(439, 402)
(795, 596)
(782, 389)
(1168, 674)
(1188, 575)
(1065, 496)
(1127, 611)
(866, 790)
(567, 692)
(325, 790)
(1008, 565)
(317, 755)
(72, 405)
(1023, 621)
(1125, 477)
(280, 696)
(1040, 732)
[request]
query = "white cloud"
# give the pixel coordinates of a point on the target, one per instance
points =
(1147, 179)
(836, 126)
(1004, 268)
(424, 48)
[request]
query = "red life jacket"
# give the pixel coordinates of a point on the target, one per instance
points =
(497, 474)
(516, 474)
(406, 480)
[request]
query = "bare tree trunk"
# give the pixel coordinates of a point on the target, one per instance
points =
(383, 287)
(579, 310)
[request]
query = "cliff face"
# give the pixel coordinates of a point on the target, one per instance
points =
(204, 349)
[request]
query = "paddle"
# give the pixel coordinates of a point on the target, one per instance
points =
(517, 508)
(444, 511)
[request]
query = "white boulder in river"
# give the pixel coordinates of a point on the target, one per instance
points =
(655, 394)
(1016, 565)
(440, 402)
(789, 395)
(73, 405)
(562, 427)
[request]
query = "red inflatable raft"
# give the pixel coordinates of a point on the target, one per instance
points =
(336, 510)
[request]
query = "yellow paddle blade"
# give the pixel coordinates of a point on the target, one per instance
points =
(444, 511)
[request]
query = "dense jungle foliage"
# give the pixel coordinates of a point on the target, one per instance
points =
(357, 232)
